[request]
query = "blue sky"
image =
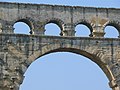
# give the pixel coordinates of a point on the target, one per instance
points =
(64, 70)
(98, 3)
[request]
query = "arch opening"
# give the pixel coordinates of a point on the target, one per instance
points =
(71, 77)
(111, 31)
(52, 29)
(23, 26)
(83, 29)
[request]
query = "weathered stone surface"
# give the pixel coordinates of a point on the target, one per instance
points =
(21, 50)
(18, 51)
(66, 17)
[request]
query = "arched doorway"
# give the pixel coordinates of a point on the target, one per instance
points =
(65, 71)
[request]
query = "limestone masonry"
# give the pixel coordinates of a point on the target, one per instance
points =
(18, 51)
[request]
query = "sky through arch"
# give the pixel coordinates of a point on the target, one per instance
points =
(52, 29)
(19, 30)
(65, 71)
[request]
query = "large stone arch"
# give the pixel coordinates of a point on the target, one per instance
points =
(86, 23)
(94, 57)
(28, 21)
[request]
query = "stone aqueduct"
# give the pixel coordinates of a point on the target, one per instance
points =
(18, 51)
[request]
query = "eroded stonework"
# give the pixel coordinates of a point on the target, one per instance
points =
(18, 51)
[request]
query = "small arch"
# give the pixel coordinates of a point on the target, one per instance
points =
(21, 28)
(53, 24)
(112, 29)
(56, 21)
(52, 29)
(83, 28)
(23, 23)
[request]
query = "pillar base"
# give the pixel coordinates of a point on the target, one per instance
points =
(68, 33)
(98, 34)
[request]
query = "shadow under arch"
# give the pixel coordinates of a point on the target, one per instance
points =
(28, 22)
(86, 23)
(115, 24)
(92, 57)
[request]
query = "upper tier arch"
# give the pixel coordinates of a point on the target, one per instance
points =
(66, 17)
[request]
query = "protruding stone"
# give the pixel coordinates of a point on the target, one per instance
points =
(113, 84)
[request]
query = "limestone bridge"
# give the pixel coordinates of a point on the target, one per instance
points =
(18, 51)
